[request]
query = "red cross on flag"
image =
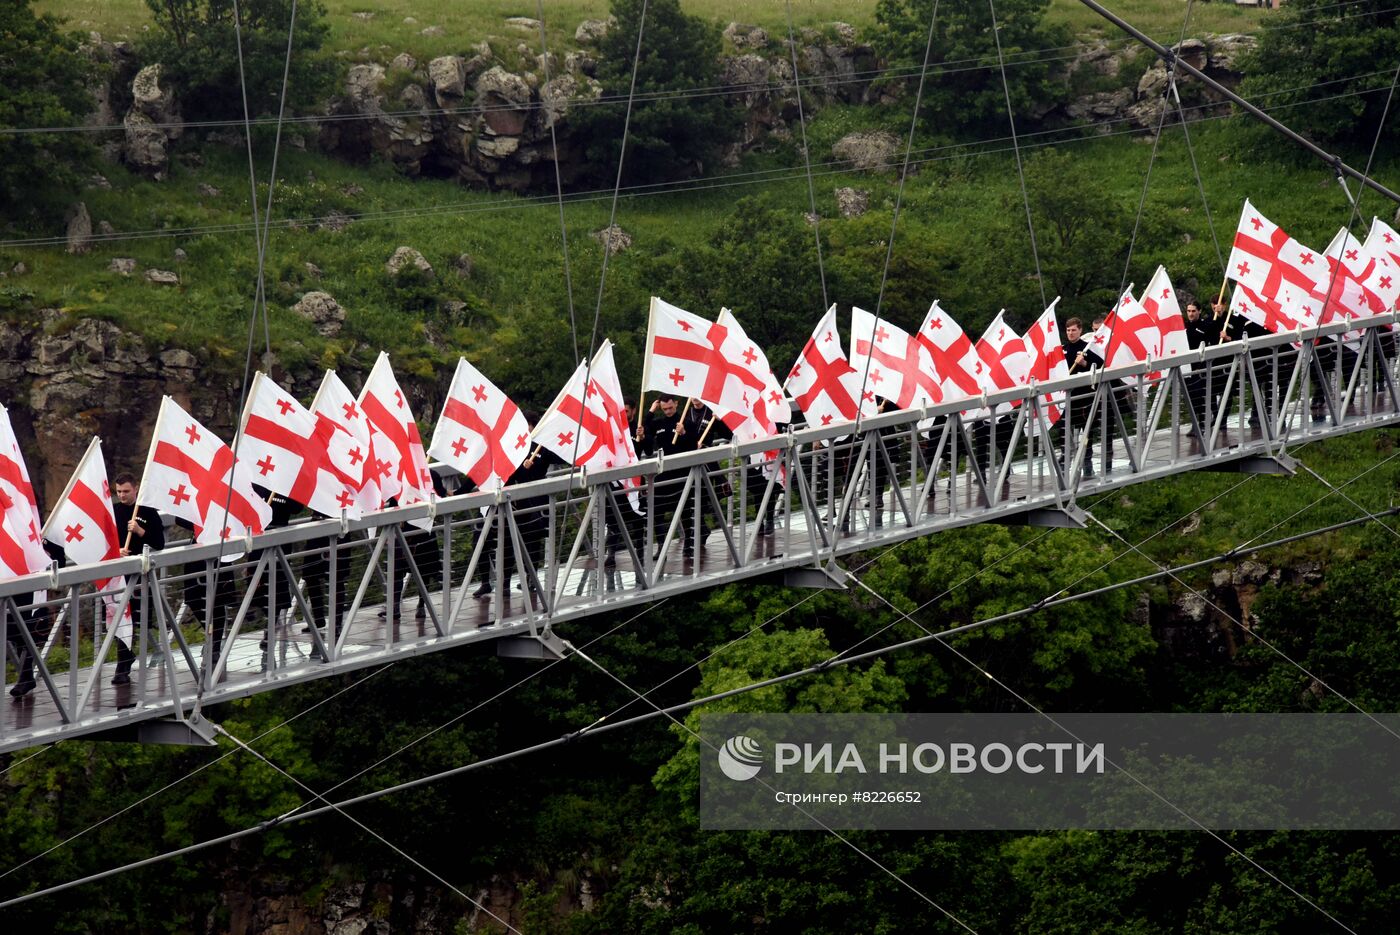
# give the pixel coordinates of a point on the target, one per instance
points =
(1274, 266)
(1266, 313)
(402, 466)
(823, 382)
(21, 510)
(335, 402)
(956, 365)
(585, 425)
(1383, 244)
(191, 475)
(1128, 335)
(1047, 359)
(297, 453)
(1160, 301)
(891, 363)
(82, 522)
(481, 432)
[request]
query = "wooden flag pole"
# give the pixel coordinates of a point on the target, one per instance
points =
(1223, 283)
(679, 425)
(706, 434)
(641, 414)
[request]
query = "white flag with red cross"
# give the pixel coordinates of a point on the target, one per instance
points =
(1006, 364)
(1128, 335)
(301, 455)
(481, 432)
(401, 465)
(335, 402)
(82, 522)
(1276, 267)
(192, 475)
(1161, 302)
(585, 425)
(13, 563)
(1265, 312)
(1349, 267)
(823, 382)
(21, 510)
(954, 356)
(1383, 244)
(690, 356)
(891, 363)
(1047, 360)
(761, 409)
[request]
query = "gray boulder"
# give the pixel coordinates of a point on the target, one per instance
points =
(162, 277)
(744, 36)
(124, 265)
(852, 202)
(448, 76)
(614, 239)
(590, 31)
(867, 150)
(79, 229)
(505, 99)
(151, 125)
(405, 257)
(321, 310)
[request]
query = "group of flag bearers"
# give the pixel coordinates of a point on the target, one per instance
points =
(347, 454)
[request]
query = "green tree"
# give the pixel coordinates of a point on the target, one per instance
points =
(761, 262)
(964, 88)
(43, 83)
(668, 136)
(197, 43)
(1312, 42)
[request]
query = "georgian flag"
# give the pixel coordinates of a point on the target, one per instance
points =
(585, 424)
(891, 363)
(763, 408)
(335, 402)
(1265, 313)
(953, 355)
(692, 357)
(1383, 244)
(401, 465)
(82, 522)
(301, 455)
(13, 563)
(1047, 359)
(1001, 352)
(1128, 335)
(192, 475)
(1349, 266)
(481, 432)
(1160, 301)
(823, 382)
(1276, 267)
(20, 509)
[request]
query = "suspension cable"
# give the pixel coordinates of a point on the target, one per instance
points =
(558, 179)
(1016, 148)
(807, 157)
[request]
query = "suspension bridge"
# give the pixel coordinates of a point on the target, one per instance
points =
(569, 546)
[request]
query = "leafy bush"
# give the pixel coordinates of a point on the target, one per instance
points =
(198, 44)
(1313, 42)
(668, 137)
(43, 82)
(963, 92)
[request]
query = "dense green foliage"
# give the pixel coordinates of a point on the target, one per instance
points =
(964, 91)
(668, 136)
(43, 83)
(1347, 48)
(199, 44)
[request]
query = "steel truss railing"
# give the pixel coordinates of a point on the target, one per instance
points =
(327, 596)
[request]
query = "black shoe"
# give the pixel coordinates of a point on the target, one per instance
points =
(121, 678)
(23, 688)
(421, 613)
(483, 591)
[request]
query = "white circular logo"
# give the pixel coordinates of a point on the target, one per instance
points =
(741, 758)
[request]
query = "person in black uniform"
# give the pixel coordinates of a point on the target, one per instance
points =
(1080, 360)
(140, 527)
(667, 431)
(530, 519)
